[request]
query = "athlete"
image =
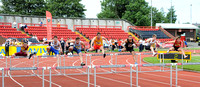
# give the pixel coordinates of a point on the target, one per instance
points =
(24, 50)
(98, 43)
(151, 44)
(129, 45)
(55, 47)
(177, 46)
(77, 48)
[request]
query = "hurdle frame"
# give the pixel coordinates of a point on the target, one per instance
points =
(22, 68)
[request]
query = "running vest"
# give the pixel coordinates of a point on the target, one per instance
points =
(129, 44)
(77, 46)
(98, 42)
(55, 46)
(24, 49)
(152, 43)
(177, 44)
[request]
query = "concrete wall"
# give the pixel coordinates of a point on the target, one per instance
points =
(70, 22)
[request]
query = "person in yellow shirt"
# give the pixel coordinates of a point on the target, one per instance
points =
(98, 43)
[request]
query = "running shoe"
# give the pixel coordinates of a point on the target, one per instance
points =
(31, 55)
(82, 64)
(104, 55)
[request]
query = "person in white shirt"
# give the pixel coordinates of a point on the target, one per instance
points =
(141, 47)
(106, 45)
(44, 39)
(151, 44)
(14, 24)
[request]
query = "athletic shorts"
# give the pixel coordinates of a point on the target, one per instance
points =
(130, 49)
(148, 48)
(76, 50)
(21, 54)
(56, 52)
(176, 48)
(97, 47)
(106, 47)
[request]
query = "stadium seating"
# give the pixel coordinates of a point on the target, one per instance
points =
(148, 32)
(60, 32)
(110, 32)
(6, 31)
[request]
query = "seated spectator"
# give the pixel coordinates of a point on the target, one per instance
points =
(41, 23)
(14, 24)
(58, 24)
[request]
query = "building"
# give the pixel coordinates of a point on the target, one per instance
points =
(187, 30)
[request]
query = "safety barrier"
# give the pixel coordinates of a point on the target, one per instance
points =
(22, 68)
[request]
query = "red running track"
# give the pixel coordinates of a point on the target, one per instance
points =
(146, 79)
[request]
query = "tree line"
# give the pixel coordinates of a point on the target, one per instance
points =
(137, 12)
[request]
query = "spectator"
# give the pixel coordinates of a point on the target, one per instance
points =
(67, 47)
(44, 39)
(62, 42)
(119, 44)
(58, 24)
(141, 47)
(113, 44)
(7, 45)
(22, 26)
(116, 42)
(106, 44)
(41, 23)
(13, 42)
(17, 42)
(185, 43)
(14, 24)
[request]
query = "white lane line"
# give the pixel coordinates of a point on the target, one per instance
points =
(46, 79)
(75, 78)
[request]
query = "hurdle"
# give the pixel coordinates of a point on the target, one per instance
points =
(14, 57)
(118, 66)
(68, 67)
(22, 68)
(145, 65)
(88, 57)
(162, 58)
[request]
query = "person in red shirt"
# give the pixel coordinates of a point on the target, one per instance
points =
(177, 46)
(119, 44)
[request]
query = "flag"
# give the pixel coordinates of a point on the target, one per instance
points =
(49, 25)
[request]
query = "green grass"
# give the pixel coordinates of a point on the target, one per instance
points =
(137, 50)
(186, 67)
(116, 50)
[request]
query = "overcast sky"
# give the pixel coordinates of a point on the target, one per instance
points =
(182, 8)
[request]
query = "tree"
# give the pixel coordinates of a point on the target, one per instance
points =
(138, 13)
(66, 8)
(23, 7)
(113, 8)
(174, 16)
(60, 8)
(157, 17)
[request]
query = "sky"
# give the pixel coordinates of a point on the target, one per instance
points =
(182, 7)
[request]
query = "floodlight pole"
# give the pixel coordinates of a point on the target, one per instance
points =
(171, 11)
(151, 13)
(191, 14)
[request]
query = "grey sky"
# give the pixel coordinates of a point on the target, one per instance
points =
(182, 8)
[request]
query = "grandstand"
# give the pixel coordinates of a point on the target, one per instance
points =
(6, 31)
(147, 32)
(41, 31)
(110, 32)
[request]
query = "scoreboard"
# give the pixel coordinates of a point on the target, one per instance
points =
(173, 55)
